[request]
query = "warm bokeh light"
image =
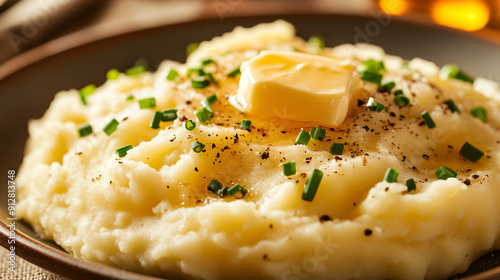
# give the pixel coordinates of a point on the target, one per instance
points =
(394, 7)
(469, 15)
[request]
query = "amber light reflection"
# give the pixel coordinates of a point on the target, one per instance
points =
(469, 15)
(394, 7)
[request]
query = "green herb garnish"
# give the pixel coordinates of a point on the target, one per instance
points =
(312, 185)
(123, 150)
(289, 168)
(197, 146)
(303, 138)
(85, 130)
(111, 127)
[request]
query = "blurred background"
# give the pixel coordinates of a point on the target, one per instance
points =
(28, 23)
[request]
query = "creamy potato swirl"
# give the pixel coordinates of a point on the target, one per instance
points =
(150, 211)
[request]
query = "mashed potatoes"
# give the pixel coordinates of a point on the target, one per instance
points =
(150, 210)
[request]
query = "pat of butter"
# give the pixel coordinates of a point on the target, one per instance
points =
(296, 86)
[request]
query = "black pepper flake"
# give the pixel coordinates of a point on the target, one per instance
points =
(189, 102)
(213, 145)
(236, 138)
(404, 158)
(450, 146)
(475, 176)
(265, 155)
(271, 226)
(386, 189)
(360, 103)
(422, 123)
(124, 119)
(217, 155)
(79, 153)
(303, 175)
(425, 156)
(366, 128)
(265, 257)
(467, 182)
(196, 169)
(283, 131)
(324, 218)
(368, 232)
(392, 114)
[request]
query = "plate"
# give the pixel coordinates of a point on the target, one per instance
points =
(28, 86)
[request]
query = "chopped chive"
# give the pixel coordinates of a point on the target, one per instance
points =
(410, 183)
(112, 74)
(374, 66)
(203, 115)
(86, 91)
(317, 42)
(391, 175)
(190, 125)
(312, 185)
(199, 82)
(211, 99)
(191, 48)
(428, 120)
(336, 149)
(405, 64)
(452, 71)
(246, 124)
(398, 92)
(451, 105)
(480, 113)
(155, 122)
(169, 115)
(130, 97)
(197, 146)
(470, 152)
(372, 77)
(401, 100)
(234, 73)
(207, 61)
(197, 71)
(147, 103)
(444, 173)
(222, 192)
(172, 74)
(374, 106)
(237, 188)
(303, 138)
(318, 133)
(214, 186)
(123, 150)
(136, 70)
(289, 168)
(387, 87)
(212, 79)
(111, 127)
(85, 130)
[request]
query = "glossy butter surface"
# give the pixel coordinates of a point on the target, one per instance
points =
(297, 86)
